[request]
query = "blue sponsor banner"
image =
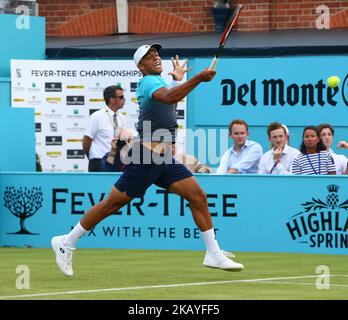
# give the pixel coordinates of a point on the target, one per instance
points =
(250, 213)
(17, 128)
(291, 90)
(24, 37)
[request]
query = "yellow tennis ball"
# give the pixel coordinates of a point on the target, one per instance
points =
(333, 81)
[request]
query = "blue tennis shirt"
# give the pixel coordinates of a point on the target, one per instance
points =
(157, 120)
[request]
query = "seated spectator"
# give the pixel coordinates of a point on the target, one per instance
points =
(279, 159)
(313, 159)
(327, 134)
(192, 163)
(112, 160)
(244, 156)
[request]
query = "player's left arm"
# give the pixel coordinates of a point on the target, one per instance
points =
(178, 70)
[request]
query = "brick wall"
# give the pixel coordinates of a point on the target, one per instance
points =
(98, 17)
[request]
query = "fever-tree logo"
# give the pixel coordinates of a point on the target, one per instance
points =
(23, 203)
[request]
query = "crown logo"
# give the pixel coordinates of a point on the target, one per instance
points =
(333, 188)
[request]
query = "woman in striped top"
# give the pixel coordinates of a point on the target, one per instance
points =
(313, 159)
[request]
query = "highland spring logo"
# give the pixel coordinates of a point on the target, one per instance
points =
(23, 203)
(322, 224)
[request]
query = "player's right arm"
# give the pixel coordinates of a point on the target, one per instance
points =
(176, 94)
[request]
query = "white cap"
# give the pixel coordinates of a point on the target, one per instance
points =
(142, 51)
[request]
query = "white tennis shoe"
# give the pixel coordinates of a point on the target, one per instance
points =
(228, 254)
(220, 261)
(63, 255)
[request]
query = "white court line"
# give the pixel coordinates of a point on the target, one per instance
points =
(305, 283)
(47, 294)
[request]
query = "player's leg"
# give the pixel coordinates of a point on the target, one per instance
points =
(190, 190)
(113, 203)
(133, 183)
(179, 180)
(64, 245)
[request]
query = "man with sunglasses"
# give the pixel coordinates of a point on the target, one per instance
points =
(103, 126)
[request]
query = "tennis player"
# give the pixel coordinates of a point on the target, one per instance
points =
(150, 160)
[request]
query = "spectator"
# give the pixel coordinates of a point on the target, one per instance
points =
(244, 156)
(313, 159)
(279, 159)
(103, 126)
(192, 163)
(112, 160)
(327, 134)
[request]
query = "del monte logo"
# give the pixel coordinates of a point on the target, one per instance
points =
(322, 223)
(279, 92)
(23, 203)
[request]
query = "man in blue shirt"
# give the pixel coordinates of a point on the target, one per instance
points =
(151, 161)
(244, 156)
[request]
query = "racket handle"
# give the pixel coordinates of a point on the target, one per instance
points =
(213, 63)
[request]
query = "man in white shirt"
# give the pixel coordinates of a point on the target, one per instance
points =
(279, 159)
(244, 156)
(103, 126)
(327, 133)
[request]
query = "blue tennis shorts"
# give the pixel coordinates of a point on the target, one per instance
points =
(147, 168)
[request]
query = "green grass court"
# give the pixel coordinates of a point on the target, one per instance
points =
(103, 274)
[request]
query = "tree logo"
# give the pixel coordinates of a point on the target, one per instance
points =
(23, 203)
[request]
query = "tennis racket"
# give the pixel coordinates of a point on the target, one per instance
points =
(232, 21)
